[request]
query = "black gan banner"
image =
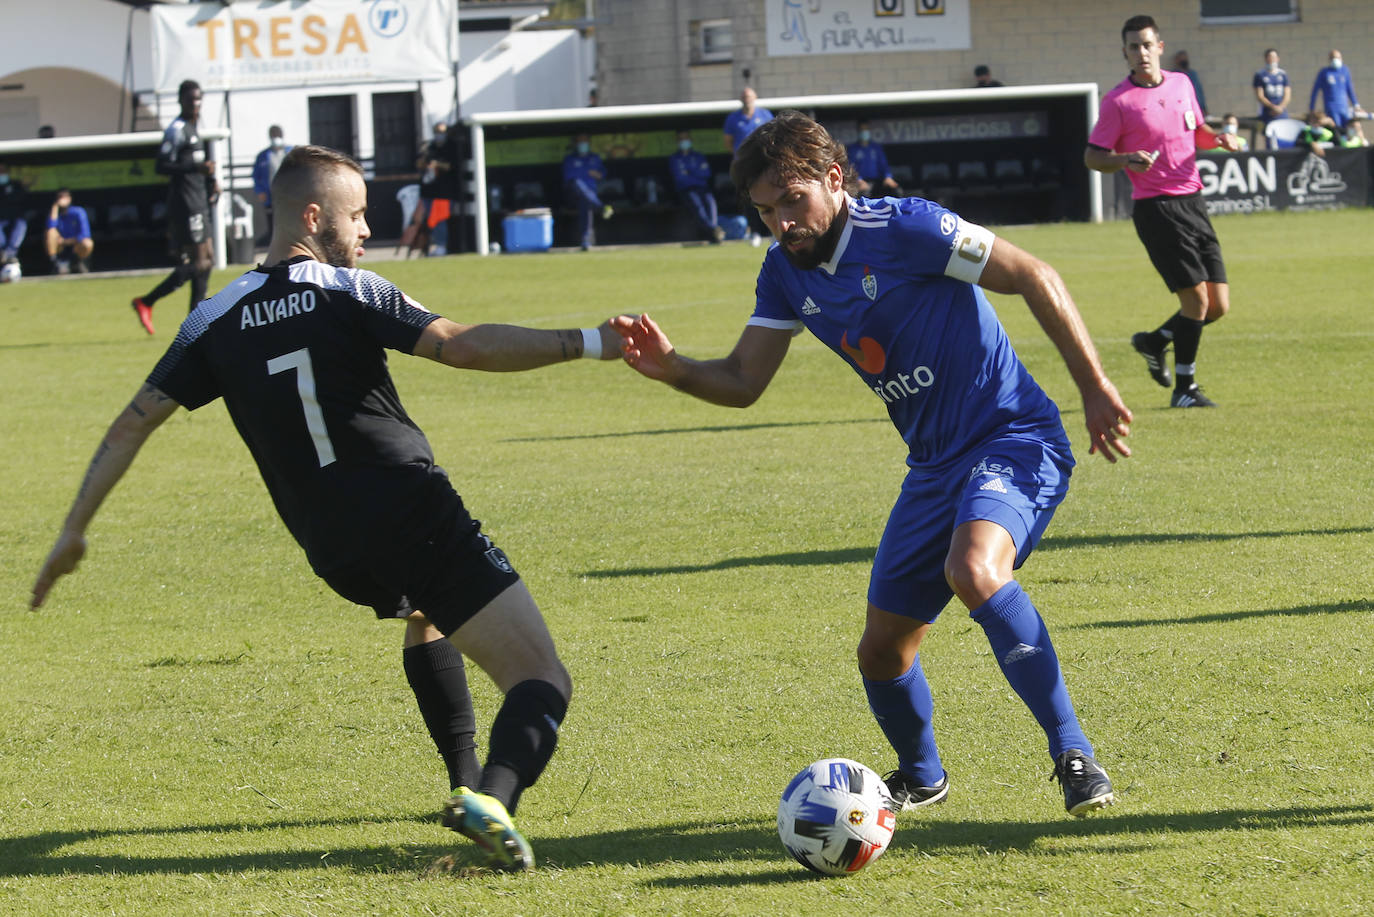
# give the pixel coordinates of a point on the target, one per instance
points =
(1276, 180)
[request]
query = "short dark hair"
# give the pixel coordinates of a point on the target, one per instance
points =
(187, 86)
(1138, 24)
(274, 131)
(982, 70)
(303, 167)
(791, 147)
(1269, 51)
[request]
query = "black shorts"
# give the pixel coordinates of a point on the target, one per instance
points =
(186, 230)
(1180, 241)
(450, 576)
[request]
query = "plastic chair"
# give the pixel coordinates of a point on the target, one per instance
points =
(1282, 134)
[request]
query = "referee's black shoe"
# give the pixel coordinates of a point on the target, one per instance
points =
(1190, 397)
(1154, 357)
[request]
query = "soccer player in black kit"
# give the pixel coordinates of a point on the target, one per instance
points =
(295, 348)
(190, 194)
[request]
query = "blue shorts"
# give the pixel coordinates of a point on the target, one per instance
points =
(1015, 482)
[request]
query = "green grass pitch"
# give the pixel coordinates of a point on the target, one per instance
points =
(195, 725)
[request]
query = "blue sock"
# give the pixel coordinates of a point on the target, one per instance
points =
(1022, 646)
(903, 708)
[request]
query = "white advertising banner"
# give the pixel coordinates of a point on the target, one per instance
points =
(270, 45)
(800, 27)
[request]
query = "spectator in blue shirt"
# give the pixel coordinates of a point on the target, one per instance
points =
(1272, 88)
(1337, 90)
(870, 164)
(582, 170)
(738, 125)
(69, 235)
(264, 168)
(742, 123)
(1181, 66)
(12, 225)
(692, 181)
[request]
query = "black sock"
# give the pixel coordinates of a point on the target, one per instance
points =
(1166, 332)
(436, 675)
(523, 738)
(200, 284)
(1187, 337)
(172, 282)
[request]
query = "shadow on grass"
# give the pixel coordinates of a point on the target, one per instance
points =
(1055, 543)
(718, 428)
(1225, 616)
(43, 854)
(793, 559)
(976, 838)
(866, 554)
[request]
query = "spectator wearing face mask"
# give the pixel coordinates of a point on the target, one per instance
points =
(870, 163)
(692, 181)
(1272, 88)
(264, 169)
(1337, 90)
(582, 171)
(1230, 124)
(1181, 66)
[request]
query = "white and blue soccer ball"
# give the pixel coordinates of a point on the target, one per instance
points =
(836, 817)
(10, 272)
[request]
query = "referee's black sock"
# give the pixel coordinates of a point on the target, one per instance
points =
(1166, 332)
(523, 738)
(436, 675)
(1187, 338)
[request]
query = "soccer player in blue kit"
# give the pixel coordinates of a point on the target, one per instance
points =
(894, 287)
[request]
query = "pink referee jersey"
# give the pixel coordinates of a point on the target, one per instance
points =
(1163, 118)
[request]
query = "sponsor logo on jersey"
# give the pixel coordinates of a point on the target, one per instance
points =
(868, 356)
(870, 284)
(266, 311)
(994, 484)
(809, 307)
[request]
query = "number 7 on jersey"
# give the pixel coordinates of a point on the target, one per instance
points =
(299, 360)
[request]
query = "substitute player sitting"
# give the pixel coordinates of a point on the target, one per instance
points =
(894, 288)
(296, 348)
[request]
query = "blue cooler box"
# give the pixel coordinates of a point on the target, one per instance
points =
(529, 230)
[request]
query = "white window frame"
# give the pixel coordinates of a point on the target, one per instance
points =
(706, 55)
(1293, 15)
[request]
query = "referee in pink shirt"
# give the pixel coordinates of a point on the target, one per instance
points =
(1151, 125)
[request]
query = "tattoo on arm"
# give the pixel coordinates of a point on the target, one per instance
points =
(90, 469)
(439, 350)
(571, 339)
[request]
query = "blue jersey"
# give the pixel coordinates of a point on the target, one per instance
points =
(72, 224)
(739, 126)
(1273, 83)
(1336, 89)
(869, 161)
(898, 302)
(580, 166)
(689, 170)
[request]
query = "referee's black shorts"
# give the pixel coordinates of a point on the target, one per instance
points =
(1180, 241)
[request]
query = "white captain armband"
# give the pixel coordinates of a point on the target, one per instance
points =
(591, 343)
(970, 252)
